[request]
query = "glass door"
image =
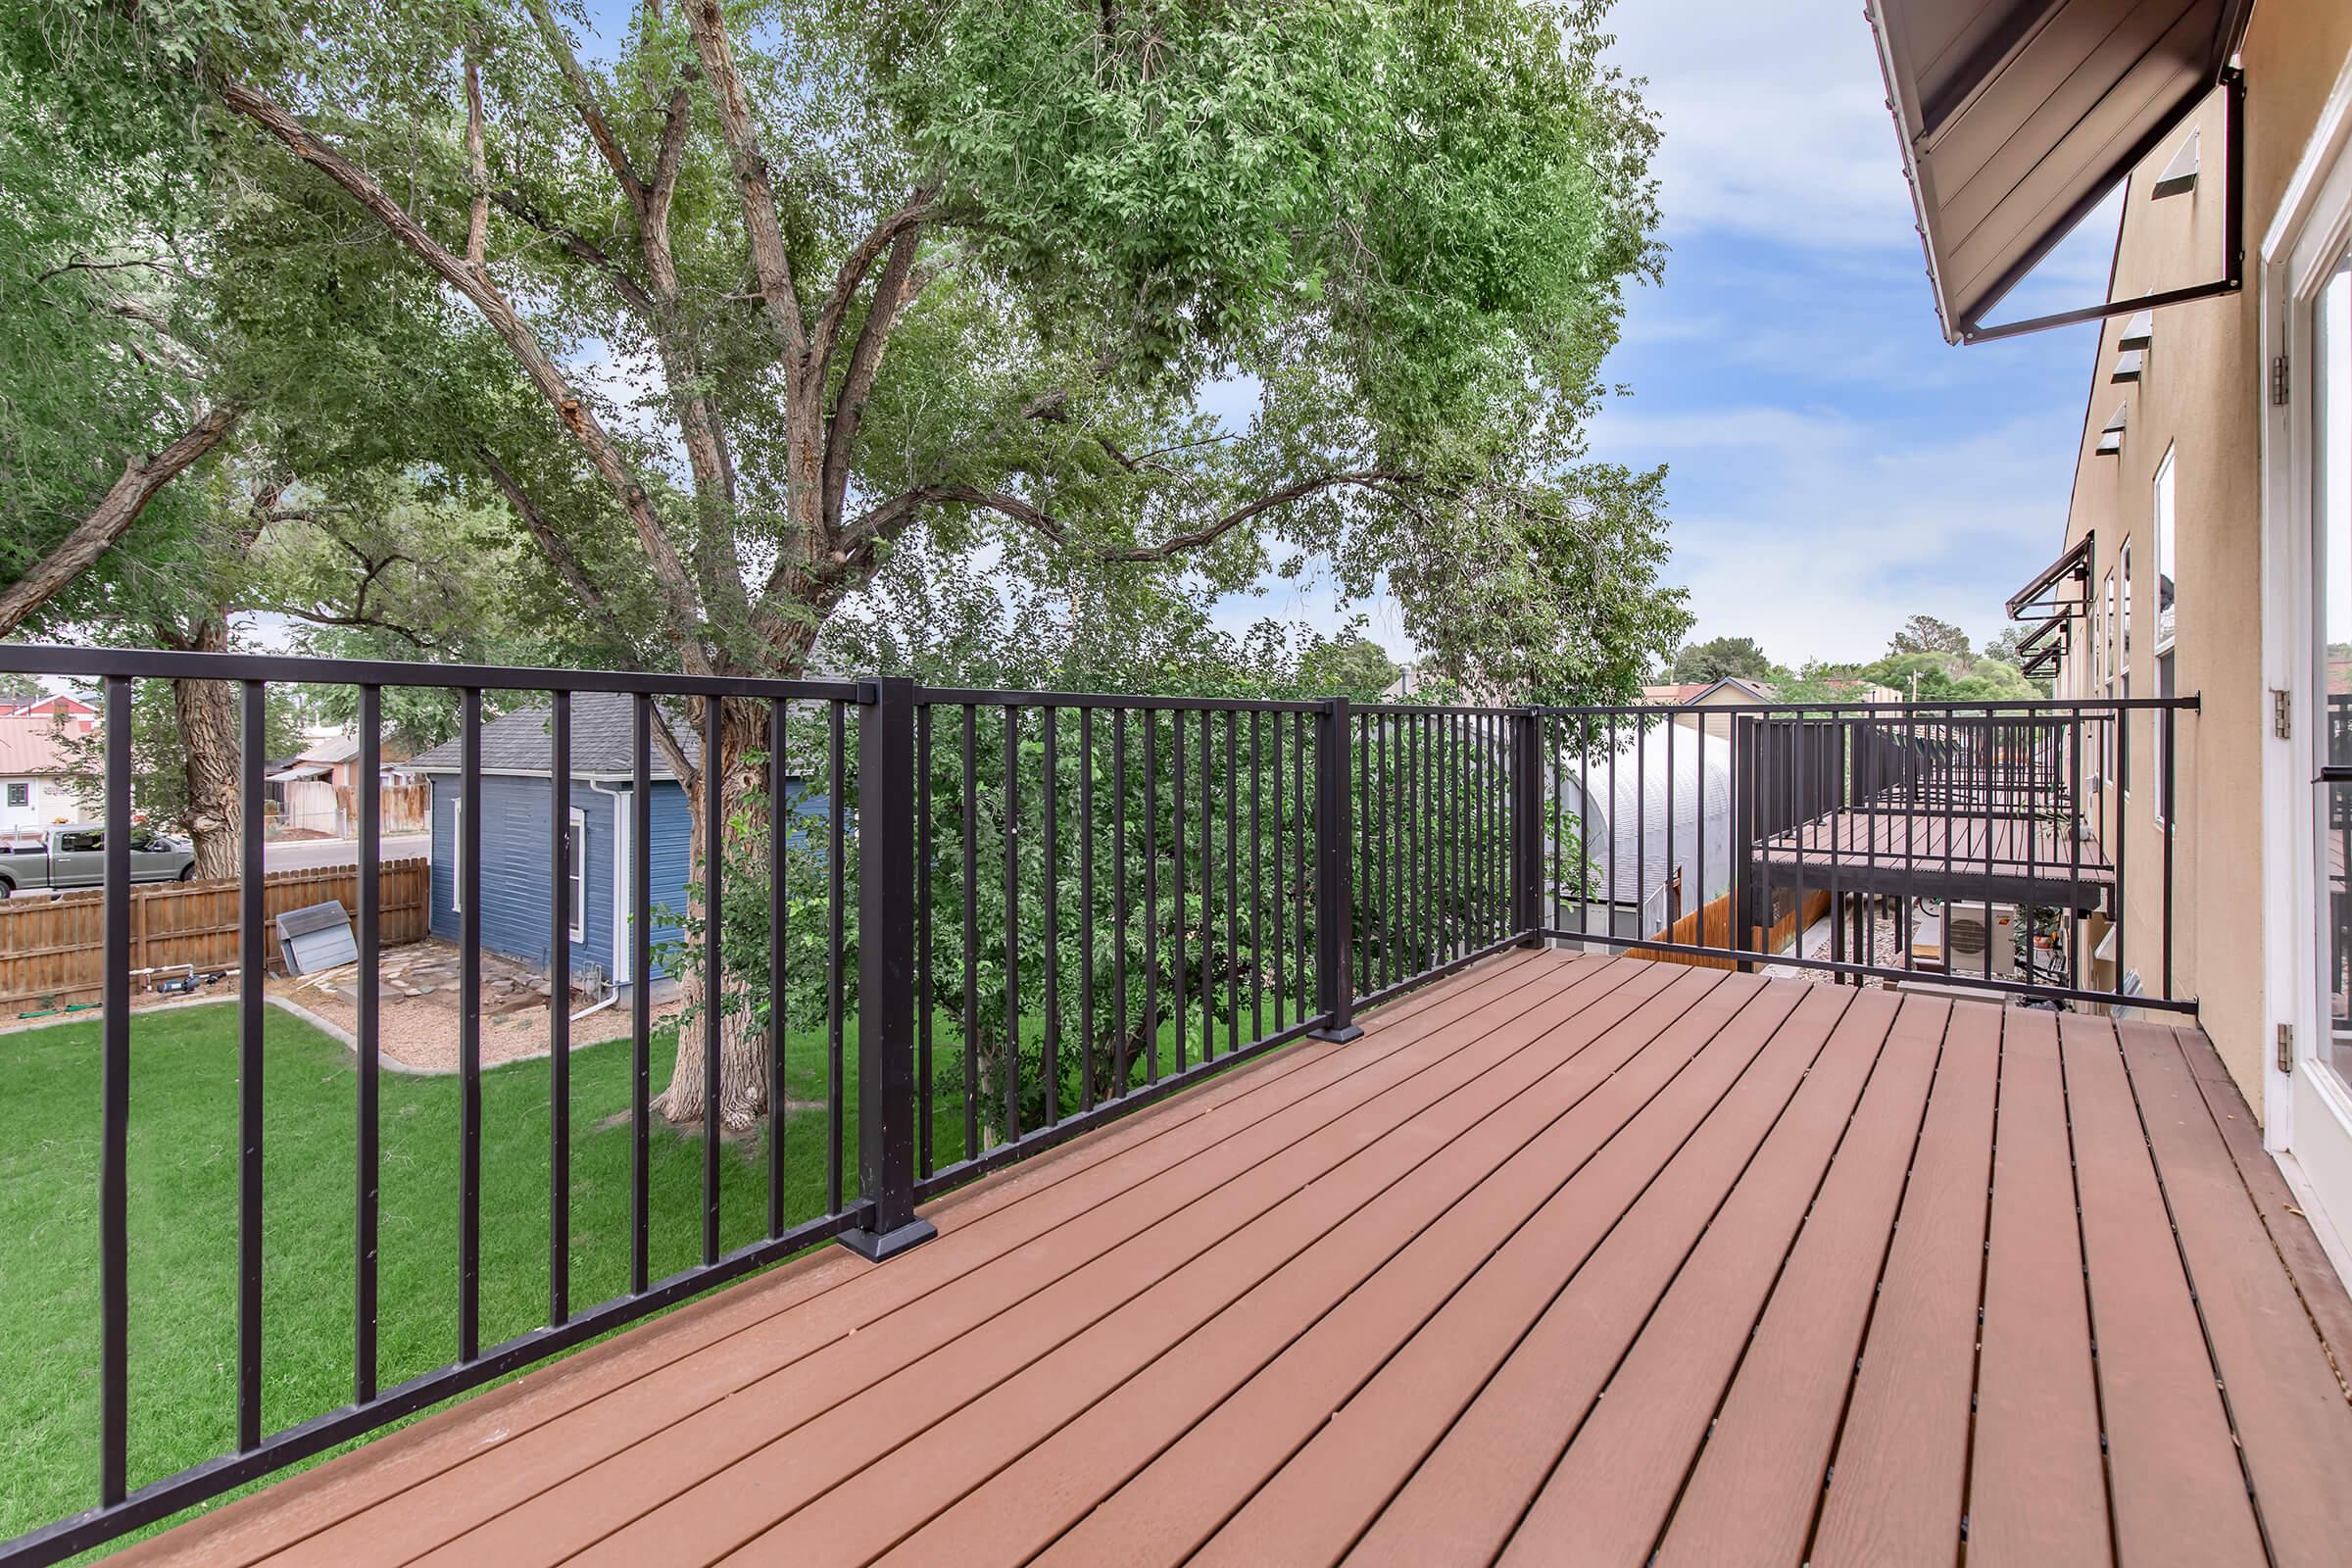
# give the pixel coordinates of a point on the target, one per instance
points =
(2331, 438)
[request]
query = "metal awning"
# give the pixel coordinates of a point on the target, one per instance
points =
(2041, 651)
(2018, 116)
(2034, 601)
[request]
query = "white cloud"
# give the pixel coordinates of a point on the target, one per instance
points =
(1775, 119)
(1837, 532)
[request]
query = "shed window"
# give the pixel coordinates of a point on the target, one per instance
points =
(577, 895)
(20, 794)
(457, 854)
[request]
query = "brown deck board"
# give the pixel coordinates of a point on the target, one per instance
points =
(1607, 1500)
(1426, 1236)
(1316, 1505)
(1567, 1258)
(1320, 1245)
(805, 1422)
(2295, 1431)
(1895, 1485)
(1191, 1487)
(1752, 1496)
(1466, 1499)
(2179, 1497)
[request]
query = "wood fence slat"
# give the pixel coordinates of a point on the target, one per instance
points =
(50, 949)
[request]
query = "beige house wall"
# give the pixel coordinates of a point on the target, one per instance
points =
(2201, 395)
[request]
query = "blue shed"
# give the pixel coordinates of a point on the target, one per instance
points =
(514, 893)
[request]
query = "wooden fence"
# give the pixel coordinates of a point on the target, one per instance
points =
(52, 950)
(1710, 926)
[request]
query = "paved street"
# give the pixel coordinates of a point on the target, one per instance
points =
(297, 854)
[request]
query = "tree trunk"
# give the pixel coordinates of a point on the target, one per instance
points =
(205, 714)
(744, 1090)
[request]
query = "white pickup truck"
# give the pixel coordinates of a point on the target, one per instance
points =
(74, 855)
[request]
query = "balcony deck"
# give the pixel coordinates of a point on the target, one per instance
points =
(1968, 852)
(1568, 1259)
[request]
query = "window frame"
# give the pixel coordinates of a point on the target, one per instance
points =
(576, 876)
(457, 855)
(20, 794)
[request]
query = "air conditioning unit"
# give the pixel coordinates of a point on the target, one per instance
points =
(1966, 936)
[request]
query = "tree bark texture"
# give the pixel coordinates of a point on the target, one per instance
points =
(205, 714)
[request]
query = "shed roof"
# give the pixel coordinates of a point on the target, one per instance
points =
(603, 740)
(31, 744)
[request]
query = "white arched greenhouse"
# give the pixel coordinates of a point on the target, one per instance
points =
(1659, 803)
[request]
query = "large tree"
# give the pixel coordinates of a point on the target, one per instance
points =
(730, 306)
(1720, 656)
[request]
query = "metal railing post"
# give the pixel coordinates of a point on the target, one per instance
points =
(886, 977)
(1334, 880)
(1527, 825)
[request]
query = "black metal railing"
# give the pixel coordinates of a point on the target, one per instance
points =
(1989, 847)
(971, 924)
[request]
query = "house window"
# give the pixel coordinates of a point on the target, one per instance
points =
(457, 854)
(2109, 617)
(2165, 683)
(576, 893)
(20, 794)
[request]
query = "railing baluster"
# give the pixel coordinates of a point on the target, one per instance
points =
(559, 1009)
(1118, 900)
(1085, 908)
(1176, 1009)
(1050, 1056)
(971, 934)
(714, 823)
(1257, 885)
(470, 1026)
(254, 957)
(837, 849)
(114, 1154)
(367, 1007)
(1335, 968)
(1281, 878)
(1012, 924)
(1151, 728)
(641, 988)
(1209, 894)
(1233, 891)
(780, 955)
(2171, 813)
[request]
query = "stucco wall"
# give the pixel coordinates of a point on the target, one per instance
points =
(2202, 394)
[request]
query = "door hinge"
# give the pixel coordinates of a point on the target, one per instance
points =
(2286, 1048)
(2283, 714)
(2278, 381)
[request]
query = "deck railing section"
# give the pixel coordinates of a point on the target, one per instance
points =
(1986, 846)
(986, 921)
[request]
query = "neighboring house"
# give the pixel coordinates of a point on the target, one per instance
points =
(515, 898)
(2208, 541)
(317, 787)
(70, 709)
(35, 790)
(1731, 691)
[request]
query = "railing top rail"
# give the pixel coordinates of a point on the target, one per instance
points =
(142, 663)
(988, 697)
(1975, 707)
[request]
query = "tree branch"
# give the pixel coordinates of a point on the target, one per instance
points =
(477, 172)
(885, 236)
(891, 294)
(584, 101)
(769, 260)
(1051, 528)
(670, 572)
(555, 547)
(142, 476)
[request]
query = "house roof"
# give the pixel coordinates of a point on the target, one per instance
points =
(32, 744)
(330, 750)
(603, 740)
(2016, 116)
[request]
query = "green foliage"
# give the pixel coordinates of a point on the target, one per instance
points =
(1722, 657)
(1925, 634)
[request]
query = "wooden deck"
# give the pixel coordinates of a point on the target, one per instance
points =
(1928, 854)
(1569, 1258)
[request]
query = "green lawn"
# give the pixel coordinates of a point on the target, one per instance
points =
(182, 1199)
